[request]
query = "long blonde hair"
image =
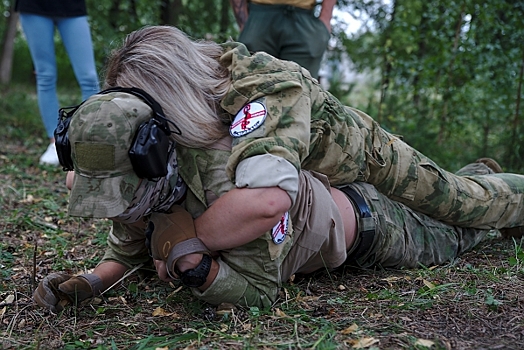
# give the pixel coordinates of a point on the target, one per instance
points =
(183, 75)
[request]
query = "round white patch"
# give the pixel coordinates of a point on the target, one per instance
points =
(279, 231)
(250, 117)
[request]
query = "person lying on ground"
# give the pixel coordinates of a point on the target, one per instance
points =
(324, 228)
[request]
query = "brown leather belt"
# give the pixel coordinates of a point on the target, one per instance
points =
(366, 225)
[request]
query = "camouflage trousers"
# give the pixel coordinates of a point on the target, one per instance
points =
(409, 239)
(405, 175)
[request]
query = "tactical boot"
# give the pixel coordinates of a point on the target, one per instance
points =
(516, 232)
(492, 164)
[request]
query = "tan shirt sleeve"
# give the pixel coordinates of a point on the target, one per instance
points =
(267, 170)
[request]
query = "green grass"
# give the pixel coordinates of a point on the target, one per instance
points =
(471, 303)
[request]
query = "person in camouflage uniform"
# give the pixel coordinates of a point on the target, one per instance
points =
(266, 145)
(277, 113)
(248, 273)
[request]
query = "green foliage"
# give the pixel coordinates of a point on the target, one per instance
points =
(517, 260)
(111, 21)
(445, 74)
(451, 75)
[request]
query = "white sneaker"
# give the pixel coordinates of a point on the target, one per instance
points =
(50, 157)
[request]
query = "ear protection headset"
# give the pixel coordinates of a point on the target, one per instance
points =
(149, 152)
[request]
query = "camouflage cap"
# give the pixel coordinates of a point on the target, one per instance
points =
(101, 133)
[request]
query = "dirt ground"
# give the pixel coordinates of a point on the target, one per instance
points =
(475, 302)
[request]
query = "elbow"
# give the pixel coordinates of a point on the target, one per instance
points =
(275, 202)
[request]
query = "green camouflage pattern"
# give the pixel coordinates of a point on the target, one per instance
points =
(126, 244)
(405, 238)
(101, 132)
(312, 130)
(249, 275)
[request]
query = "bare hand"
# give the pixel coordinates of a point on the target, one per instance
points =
(162, 271)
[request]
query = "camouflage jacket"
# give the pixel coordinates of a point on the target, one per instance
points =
(304, 124)
(249, 275)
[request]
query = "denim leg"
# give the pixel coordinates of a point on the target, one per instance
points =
(76, 37)
(39, 33)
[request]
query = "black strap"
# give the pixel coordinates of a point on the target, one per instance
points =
(366, 235)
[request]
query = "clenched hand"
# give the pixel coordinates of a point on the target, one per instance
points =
(59, 289)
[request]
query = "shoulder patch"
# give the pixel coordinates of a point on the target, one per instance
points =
(279, 231)
(249, 118)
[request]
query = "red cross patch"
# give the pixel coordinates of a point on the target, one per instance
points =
(250, 117)
(279, 231)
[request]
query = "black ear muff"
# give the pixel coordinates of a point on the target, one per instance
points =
(63, 147)
(149, 152)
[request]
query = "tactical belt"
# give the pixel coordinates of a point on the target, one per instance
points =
(366, 225)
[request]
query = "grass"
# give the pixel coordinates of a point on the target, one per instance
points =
(474, 302)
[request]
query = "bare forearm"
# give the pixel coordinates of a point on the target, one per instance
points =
(240, 216)
(240, 10)
(110, 272)
(326, 12)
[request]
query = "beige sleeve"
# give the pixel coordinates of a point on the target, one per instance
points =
(267, 170)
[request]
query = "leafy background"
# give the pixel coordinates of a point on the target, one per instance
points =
(445, 74)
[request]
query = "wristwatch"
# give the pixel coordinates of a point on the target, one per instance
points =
(196, 277)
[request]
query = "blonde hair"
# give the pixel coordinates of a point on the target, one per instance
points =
(183, 75)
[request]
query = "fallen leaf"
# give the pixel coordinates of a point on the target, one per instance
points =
(306, 298)
(28, 199)
(350, 329)
(392, 279)
(364, 343)
(9, 299)
(428, 284)
(424, 342)
(21, 324)
(280, 313)
(161, 312)
(96, 301)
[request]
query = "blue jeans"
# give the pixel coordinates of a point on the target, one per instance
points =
(76, 37)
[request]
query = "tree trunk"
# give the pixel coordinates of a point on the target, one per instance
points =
(113, 14)
(449, 86)
(386, 70)
(8, 44)
(514, 155)
(224, 15)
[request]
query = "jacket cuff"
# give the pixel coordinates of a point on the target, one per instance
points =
(228, 287)
(267, 170)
